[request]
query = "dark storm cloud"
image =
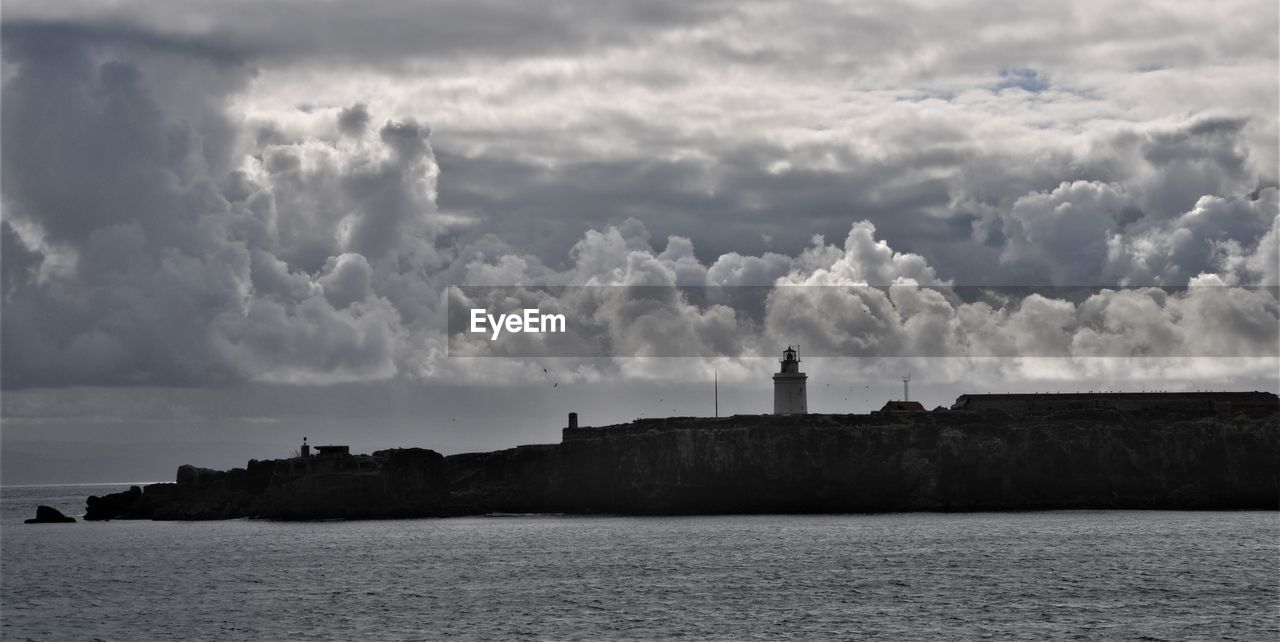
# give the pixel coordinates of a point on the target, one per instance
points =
(151, 241)
(925, 200)
(734, 203)
(378, 33)
(39, 34)
(872, 35)
(116, 198)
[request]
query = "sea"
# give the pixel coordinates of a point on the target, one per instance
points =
(1141, 575)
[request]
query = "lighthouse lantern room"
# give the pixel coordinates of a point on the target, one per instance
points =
(789, 397)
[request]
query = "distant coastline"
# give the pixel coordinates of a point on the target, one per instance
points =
(992, 452)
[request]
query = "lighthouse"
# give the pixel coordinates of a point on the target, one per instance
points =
(788, 386)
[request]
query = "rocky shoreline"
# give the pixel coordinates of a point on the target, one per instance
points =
(945, 460)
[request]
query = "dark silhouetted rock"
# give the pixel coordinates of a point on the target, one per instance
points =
(50, 515)
(402, 482)
(123, 505)
(946, 460)
(194, 476)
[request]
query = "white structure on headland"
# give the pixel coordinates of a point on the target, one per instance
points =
(789, 396)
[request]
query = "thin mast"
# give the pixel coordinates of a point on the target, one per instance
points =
(716, 374)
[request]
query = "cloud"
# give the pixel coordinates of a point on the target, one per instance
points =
(346, 279)
(353, 120)
(1062, 234)
(1231, 236)
(180, 266)
(246, 194)
(862, 299)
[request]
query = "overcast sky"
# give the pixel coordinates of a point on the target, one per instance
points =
(230, 224)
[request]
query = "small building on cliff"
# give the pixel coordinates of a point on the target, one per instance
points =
(902, 406)
(333, 451)
(789, 394)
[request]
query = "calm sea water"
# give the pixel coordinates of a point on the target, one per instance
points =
(1114, 575)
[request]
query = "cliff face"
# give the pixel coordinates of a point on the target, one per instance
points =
(933, 462)
(941, 461)
(404, 482)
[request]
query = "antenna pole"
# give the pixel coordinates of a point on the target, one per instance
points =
(716, 374)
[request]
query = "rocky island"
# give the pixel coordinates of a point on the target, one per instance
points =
(1196, 451)
(49, 515)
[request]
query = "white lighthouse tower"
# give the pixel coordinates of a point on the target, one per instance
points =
(789, 396)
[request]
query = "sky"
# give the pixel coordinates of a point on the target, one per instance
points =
(228, 225)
